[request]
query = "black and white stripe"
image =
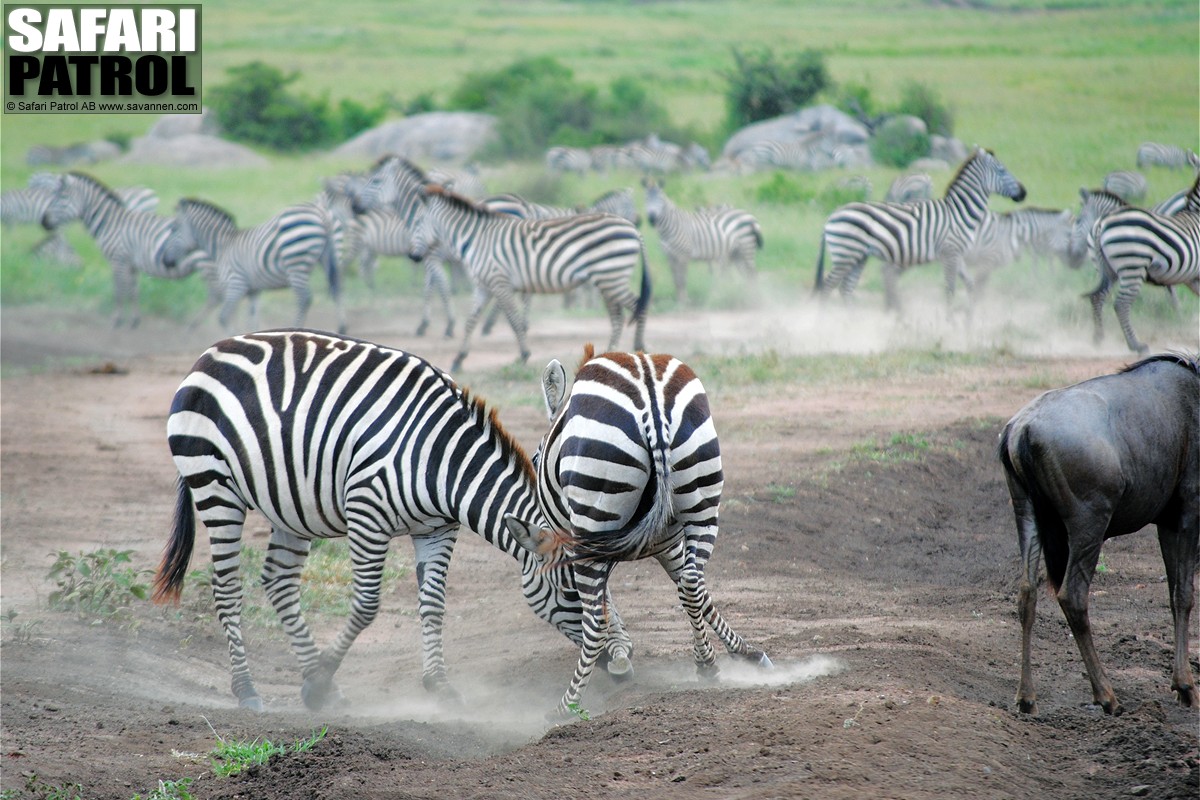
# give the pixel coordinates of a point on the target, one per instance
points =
(721, 235)
(910, 188)
(903, 235)
(1153, 154)
(1127, 184)
(280, 253)
(1135, 246)
(330, 437)
(631, 469)
(133, 242)
(505, 255)
(568, 159)
(1004, 238)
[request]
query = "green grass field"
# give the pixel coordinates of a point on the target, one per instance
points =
(1063, 96)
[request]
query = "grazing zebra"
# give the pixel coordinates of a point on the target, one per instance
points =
(133, 242)
(722, 235)
(1134, 246)
(655, 156)
(330, 437)
(910, 188)
(630, 469)
(1153, 154)
(908, 234)
(568, 159)
(609, 157)
(505, 255)
(1127, 184)
(280, 253)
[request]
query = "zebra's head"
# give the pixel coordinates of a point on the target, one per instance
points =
(995, 177)
(656, 200)
(66, 204)
(1094, 205)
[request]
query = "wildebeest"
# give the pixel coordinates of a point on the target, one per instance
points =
(1099, 459)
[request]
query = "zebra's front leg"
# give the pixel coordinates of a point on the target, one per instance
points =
(592, 583)
(299, 283)
(284, 563)
(679, 276)
(433, 564)
(368, 551)
(891, 291)
(618, 647)
(616, 317)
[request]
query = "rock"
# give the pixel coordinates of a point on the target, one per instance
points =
(438, 135)
(170, 126)
(191, 150)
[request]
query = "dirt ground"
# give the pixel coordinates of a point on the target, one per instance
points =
(880, 579)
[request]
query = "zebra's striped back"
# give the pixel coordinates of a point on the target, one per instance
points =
(1154, 154)
(330, 437)
(632, 459)
(1126, 184)
(910, 188)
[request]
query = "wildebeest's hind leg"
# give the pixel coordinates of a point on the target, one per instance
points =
(1031, 554)
(1178, 544)
(1085, 529)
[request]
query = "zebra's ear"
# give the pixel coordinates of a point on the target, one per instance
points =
(554, 387)
(528, 535)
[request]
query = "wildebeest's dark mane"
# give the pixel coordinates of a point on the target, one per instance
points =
(458, 199)
(1189, 362)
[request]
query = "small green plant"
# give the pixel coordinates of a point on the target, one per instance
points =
(97, 582)
(41, 790)
(170, 790)
(579, 711)
(784, 190)
(780, 493)
(900, 447)
(230, 758)
(24, 632)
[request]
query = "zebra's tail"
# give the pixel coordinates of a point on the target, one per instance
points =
(168, 583)
(643, 301)
(758, 236)
(819, 286)
(1106, 278)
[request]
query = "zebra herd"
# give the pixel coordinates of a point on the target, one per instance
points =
(1130, 246)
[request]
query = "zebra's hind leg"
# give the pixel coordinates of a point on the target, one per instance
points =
(689, 583)
(433, 564)
(1126, 294)
(286, 554)
(482, 298)
(224, 525)
(299, 283)
(592, 583)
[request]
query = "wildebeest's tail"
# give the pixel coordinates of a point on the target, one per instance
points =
(1020, 463)
(168, 583)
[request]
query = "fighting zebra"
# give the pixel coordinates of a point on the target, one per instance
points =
(722, 235)
(1126, 184)
(133, 242)
(1134, 246)
(330, 437)
(1003, 238)
(908, 234)
(1153, 154)
(910, 188)
(280, 253)
(630, 469)
(505, 255)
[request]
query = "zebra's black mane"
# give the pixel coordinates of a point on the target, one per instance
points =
(205, 205)
(410, 169)
(1188, 362)
(112, 195)
(966, 163)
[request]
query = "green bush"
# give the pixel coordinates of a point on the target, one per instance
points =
(762, 86)
(919, 100)
(256, 108)
(783, 190)
(896, 144)
(538, 103)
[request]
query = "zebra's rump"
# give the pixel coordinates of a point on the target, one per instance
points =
(899, 234)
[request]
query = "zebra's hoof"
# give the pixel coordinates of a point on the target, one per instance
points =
(424, 326)
(764, 662)
(708, 673)
(450, 331)
(320, 692)
(620, 669)
(253, 703)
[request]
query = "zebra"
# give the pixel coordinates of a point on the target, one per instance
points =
(630, 469)
(908, 234)
(722, 235)
(28, 206)
(505, 255)
(568, 159)
(1004, 238)
(277, 254)
(1153, 154)
(327, 437)
(655, 156)
(1134, 246)
(1127, 184)
(133, 242)
(910, 188)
